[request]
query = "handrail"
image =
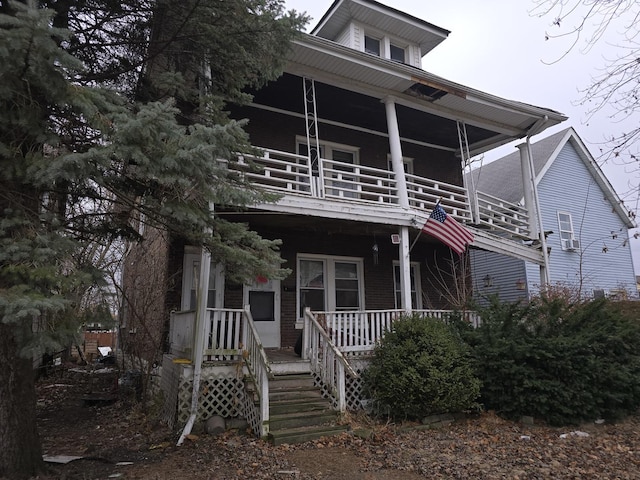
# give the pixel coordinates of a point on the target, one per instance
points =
(503, 216)
(258, 367)
(326, 360)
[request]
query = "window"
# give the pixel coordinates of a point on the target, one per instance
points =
(372, 45)
(190, 279)
(396, 53)
(416, 291)
(329, 283)
(565, 226)
(339, 173)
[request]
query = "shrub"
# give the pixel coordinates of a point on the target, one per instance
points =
(558, 360)
(421, 368)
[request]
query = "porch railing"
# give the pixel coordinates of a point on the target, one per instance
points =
(221, 334)
(327, 361)
(357, 332)
(258, 367)
(504, 217)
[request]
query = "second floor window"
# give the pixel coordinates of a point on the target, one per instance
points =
(565, 225)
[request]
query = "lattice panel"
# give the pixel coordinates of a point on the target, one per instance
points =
(251, 413)
(326, 392)
(169, 384)
(219, 395)
(353, 386)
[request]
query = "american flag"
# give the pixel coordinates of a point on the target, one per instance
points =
(447, 230)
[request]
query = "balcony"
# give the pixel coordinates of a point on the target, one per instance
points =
(294, 175)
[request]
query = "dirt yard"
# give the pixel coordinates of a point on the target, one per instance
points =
(117, 441)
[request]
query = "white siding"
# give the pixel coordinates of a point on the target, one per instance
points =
(504, 272)
(568, 186)
(346, 37)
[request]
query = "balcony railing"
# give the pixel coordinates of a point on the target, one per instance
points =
(288, 173)
(505, 218)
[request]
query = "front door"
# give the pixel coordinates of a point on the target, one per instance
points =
(263, 298)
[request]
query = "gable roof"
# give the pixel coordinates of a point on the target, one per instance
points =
(502, 178)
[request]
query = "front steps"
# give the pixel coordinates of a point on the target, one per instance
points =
(297, 410)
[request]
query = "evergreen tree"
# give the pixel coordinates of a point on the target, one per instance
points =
(99, 125)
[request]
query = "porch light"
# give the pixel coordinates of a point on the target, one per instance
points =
(488, 281)
(520, 284)
(374, 249)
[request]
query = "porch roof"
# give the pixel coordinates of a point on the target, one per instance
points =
(493, 120)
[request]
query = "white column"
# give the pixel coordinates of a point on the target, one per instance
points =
(405, 270)
(396, 152)
(528, 184)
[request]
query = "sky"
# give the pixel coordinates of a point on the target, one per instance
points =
(499, 47)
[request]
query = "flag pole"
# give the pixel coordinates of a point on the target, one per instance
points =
(420, 232)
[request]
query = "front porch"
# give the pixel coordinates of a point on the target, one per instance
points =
(239, 375)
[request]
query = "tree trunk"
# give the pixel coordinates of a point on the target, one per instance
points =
(20, 450)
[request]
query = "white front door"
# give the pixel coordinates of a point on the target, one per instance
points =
(263, 298)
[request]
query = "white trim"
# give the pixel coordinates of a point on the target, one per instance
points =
(329, 262)
(187, 280)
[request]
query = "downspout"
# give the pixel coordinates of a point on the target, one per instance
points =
(544, 270)
(198, 340)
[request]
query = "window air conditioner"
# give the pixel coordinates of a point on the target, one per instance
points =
(572, 244)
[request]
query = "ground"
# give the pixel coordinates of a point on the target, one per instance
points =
(116, 440)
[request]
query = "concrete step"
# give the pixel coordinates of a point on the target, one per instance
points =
(305, 434)
(290, 367)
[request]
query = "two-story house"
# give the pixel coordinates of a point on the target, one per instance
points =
(587, 225)
(361, 143)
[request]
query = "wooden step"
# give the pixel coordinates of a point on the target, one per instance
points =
(305, 434)
(283, 382)
(301, 419)
(297, 405)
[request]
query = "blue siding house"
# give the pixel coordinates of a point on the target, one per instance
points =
(586, 225)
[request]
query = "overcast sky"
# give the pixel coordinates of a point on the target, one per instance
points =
(499, 46)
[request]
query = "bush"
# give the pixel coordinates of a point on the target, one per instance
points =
(558, 360)
(421, 368)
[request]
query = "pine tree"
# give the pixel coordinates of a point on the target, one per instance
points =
(92, 136)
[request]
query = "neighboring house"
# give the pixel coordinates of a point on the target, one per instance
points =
(586, 223)
(362, 144)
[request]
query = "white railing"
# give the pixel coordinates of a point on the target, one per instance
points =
(502, 216)
(222, 334)
(181, 325)
(424, 193)
(364, 184)
(258, 367)
(358, 332)
(327, 361)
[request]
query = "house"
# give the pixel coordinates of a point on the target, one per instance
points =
(585, 222)
(362, 144)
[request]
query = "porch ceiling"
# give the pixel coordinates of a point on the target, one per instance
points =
(491, 121)
(348, 107)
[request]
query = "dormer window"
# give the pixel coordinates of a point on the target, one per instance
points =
(396, 53)
(372, 45)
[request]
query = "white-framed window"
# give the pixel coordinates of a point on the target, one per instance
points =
(565, 227)
(327, 283)
(416, 289)
(339, 161)
(372, 45)
(407, 162)
(397, 53)
(191, 278)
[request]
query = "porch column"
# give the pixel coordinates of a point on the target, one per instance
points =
(405, 270)
(528, 184)
(533, 207)
(396, 152)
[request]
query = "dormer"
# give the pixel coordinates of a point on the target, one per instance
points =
(371, 27)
